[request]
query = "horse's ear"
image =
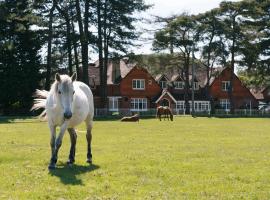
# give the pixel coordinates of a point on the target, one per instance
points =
(57, 77)
(74, 76)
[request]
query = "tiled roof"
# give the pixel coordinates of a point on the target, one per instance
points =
(257, 93)
(115, 71)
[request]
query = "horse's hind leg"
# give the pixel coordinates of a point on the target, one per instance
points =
(89, 126)
(73, 139)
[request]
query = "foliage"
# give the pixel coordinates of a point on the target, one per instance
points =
(19, 54)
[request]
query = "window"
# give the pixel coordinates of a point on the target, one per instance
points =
(198, 105)
(138, 84)
(180, 105)
(138, 104)
(196, 85)
(113, 103)
(179, 84)
(163, 84)
(225, 104)
(225, 85)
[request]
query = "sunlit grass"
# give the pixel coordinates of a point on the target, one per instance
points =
(189, 158)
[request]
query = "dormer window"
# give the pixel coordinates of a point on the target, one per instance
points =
(226, 85)
(196, 85)
(163, 84)
(138, 84)
(179, 84)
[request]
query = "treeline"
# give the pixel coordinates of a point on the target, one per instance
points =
(235, 34)
(38, 38)
(64, 33)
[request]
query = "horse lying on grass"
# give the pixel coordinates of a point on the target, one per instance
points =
(67, 104)
(134, 118)
(165, 111)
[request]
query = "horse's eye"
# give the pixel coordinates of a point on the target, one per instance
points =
(59, 92)
(73, 92)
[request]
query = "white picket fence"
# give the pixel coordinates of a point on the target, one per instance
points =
(103, 112)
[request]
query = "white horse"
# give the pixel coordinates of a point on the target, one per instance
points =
(67, 104)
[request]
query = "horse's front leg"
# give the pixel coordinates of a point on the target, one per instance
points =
(58, 144)
(73, 139)
(89, 126)
(52, 143)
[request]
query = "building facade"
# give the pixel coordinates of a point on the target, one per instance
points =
(131, 87)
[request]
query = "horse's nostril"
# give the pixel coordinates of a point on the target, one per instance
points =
(67, 115)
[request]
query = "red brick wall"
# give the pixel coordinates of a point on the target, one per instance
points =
(152, 89)
(241, 94)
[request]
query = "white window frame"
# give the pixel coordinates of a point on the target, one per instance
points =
(225, 104)
(178, 84)
(199, 106)
(180, 105)
(139, 84)
(225, 85)
(135, 104)
(115, 103)
(163, 84)
(196, 85)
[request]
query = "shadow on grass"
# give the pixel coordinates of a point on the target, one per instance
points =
(68, 174)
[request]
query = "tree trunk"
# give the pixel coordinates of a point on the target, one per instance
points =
(105, 59)
(75, 48)
(186, 95)
(74, 43)
(100, 53)
(83, 39)
(49, 51)
(230, 91)
(69, 46)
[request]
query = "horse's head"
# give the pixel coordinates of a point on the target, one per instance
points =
(65, 92)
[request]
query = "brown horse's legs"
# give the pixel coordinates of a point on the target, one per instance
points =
(73, 139)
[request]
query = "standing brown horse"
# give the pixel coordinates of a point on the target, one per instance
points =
(166, 111)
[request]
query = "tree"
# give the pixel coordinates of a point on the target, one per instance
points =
(182, 32)
(19, 57)
(232, 15)
(116, 32)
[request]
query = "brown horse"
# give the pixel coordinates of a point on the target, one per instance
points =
(166, 111)
(134, 118)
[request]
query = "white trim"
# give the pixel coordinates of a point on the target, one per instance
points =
(179, 88)
(168, 101)
(137, 100)
(141, 80)
(195, 105)
(114, 100)
(166, 92)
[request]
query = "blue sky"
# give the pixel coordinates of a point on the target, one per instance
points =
(169, 7)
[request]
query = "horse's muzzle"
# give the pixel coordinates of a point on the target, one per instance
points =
(67, 115)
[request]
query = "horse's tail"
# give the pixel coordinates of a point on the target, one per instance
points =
(40, 102)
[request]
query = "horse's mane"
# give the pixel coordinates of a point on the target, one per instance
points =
(40, 98)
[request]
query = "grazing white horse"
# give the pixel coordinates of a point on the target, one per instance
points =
(67, 104)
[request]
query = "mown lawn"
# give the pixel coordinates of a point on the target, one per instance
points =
(189, 158)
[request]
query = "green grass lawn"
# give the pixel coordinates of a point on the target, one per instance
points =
(189, 158)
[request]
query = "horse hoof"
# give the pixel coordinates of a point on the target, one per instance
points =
(51, 167)
(69, 162)
(89, 161)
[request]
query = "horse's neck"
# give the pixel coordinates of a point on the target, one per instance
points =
(53, 99)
